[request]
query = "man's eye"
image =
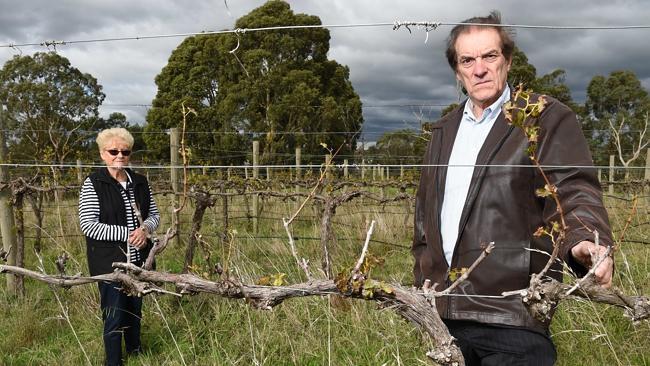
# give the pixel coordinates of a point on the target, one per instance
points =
(491, 57)
(466, 61)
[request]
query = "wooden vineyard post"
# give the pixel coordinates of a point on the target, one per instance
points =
(611, 175)
(7, 224)
(80, 173)
(256, 198)
(174, 146)
(298, 157)
(646, 178)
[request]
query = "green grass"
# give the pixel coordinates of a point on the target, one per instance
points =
(208, 330)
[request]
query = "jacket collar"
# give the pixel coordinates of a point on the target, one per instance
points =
(105, 176)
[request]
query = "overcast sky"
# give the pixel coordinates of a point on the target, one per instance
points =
(387, 67)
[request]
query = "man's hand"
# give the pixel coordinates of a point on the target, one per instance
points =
(587, 254)
(138, 237)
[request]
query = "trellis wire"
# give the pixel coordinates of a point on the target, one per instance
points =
(428, 25)
(340, 166)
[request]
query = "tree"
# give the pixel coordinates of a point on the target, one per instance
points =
(399, 147)
(51, 106)
(616, 116)
(448, 109)
(521, 71)
(551, 84)
(278, 86)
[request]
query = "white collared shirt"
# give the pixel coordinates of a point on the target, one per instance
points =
(469, 140)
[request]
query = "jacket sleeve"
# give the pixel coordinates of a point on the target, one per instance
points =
(89, 217)
(564, 154)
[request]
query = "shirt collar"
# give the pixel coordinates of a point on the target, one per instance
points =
(490, 112)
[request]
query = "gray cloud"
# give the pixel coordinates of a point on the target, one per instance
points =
(387, 67)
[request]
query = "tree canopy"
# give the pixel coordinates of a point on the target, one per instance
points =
(405, 146)
(275, 86)
(50, 106)
(621, 100)
(551, 84)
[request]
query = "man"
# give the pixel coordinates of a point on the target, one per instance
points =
(480, 187)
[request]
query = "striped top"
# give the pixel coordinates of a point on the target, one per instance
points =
(92, 228)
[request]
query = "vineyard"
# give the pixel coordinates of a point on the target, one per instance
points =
(233, 227)
(284, 146)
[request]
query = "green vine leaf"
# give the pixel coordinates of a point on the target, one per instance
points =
(455, 273)
(272, 280)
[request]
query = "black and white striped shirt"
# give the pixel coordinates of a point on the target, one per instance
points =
(92, 228)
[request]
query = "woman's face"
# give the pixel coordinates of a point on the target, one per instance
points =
(116, 153)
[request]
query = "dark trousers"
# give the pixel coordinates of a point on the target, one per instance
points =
(485, 345)
(121, 314)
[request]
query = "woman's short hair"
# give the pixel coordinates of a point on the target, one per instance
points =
(108, 134)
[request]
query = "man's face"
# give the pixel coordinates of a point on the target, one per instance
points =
(482, 68)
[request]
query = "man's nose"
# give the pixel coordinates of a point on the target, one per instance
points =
(480, 69)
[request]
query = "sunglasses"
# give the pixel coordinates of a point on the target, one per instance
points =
(114, 152)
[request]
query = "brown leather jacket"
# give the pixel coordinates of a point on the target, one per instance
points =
(502, 207)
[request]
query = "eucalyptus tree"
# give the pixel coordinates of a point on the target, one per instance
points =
(616, 117)
(50, 106)
(277, 86)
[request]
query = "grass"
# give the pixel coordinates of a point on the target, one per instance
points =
(208, 330)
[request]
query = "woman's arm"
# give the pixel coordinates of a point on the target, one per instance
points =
(89, 217)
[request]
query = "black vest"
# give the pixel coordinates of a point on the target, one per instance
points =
(112, 211)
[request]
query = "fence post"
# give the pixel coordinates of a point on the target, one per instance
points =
(610, 189)
(363, 169)
(401, 171)
(646, 176)
(345, 169)
(256, 159)
(647, 165)
(256, 198)
(7, 224)
(298, 156)
(298, 168)
(328, 168)
(382, 176)
(80, 173)
(174, 146)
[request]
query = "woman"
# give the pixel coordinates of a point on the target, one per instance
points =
(113, 234)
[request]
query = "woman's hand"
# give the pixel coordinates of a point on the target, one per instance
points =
(138, 237)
